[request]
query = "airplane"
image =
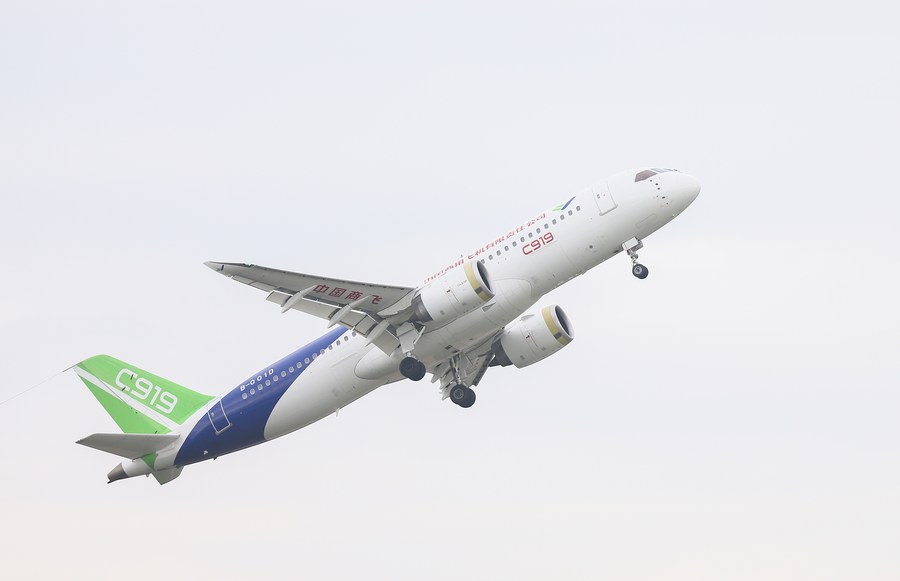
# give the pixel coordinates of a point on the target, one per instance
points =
(464, 319)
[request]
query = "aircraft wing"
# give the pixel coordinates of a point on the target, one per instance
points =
(372, 310)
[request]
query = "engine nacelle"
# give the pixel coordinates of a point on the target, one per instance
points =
(460, 291)
(533, 338)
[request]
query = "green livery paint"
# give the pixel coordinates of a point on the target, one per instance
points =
(129, 419)
(150, 460)
(138, 401)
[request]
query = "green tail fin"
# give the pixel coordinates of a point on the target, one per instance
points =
(139, 401)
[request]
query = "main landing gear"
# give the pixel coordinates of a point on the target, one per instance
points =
(462, 396)
(631, 247)
(412, 368)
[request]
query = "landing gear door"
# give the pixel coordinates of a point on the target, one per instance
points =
(217, 417)
(603, 197)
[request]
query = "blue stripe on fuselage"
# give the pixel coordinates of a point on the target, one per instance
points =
(248, 406)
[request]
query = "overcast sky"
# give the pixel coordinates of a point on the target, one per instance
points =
(734, 416)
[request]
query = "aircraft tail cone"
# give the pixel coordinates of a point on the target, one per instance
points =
(128, 469)
(117, 473)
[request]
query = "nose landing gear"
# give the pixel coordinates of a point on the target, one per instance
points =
(637, 269)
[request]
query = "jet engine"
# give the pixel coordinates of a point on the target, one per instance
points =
(533, 338)
(460, 291)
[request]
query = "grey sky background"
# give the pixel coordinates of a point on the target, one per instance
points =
(734, 416)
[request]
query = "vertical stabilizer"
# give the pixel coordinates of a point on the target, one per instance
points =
(137, 400)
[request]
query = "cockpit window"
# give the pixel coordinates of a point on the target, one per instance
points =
(642, 175)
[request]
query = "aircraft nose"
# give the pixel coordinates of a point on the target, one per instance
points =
(686, 187)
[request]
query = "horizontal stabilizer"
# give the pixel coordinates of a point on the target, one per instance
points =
(129, 446)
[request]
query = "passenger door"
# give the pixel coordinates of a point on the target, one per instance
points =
(603, 197)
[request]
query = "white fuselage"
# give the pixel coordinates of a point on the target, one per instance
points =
(524, 263)
(524, 267)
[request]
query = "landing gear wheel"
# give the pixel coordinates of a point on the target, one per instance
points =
(462, 396)
(458, 394)
(640, 271)
(412, 368)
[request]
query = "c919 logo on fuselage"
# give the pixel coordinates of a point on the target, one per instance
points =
(162, 400)
(537, 243)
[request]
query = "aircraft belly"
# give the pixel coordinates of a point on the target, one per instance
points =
(327, 386)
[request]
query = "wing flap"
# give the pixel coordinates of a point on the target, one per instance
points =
(362, 323)
(307, 306)
(129, 446)
(356, 305)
